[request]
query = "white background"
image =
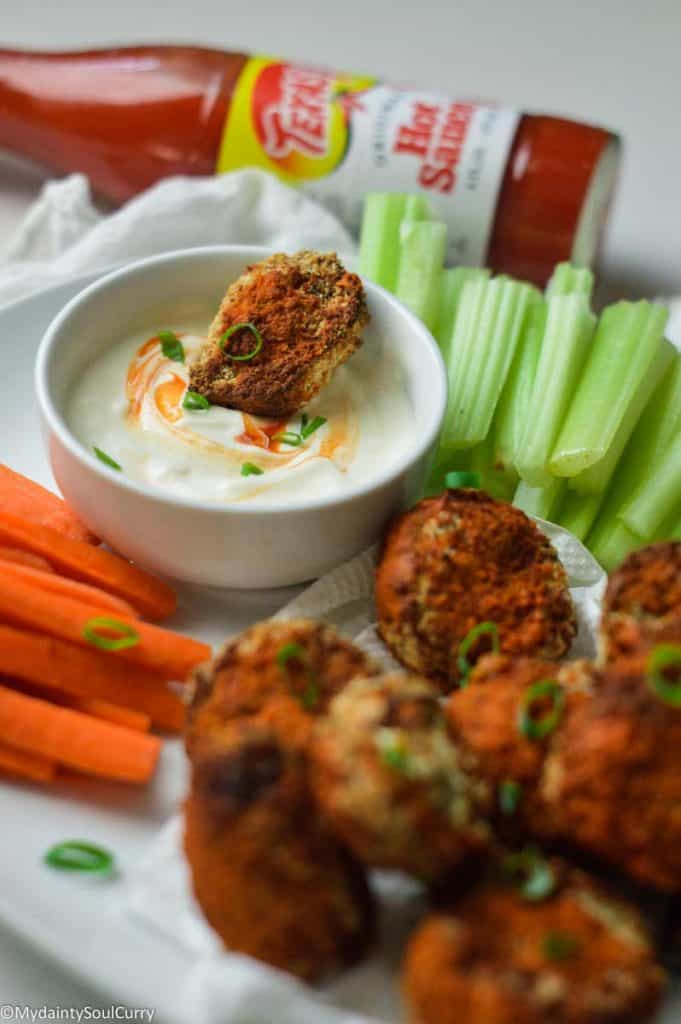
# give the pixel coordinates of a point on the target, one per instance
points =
(615, 62)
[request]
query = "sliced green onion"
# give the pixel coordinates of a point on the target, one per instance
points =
(76, 855)
(246, 326)
(530, 874)
(310, 695)
(538, 728)
(482, 629)
(510, 795)
(422, 253)
(126, 636)
(461, 478)
(250, 469)
(171, 346)
(623, 349)
(289, 437)
(662, 657)
(395, 758)
(560, 946)
(291, 652)
(296, 652)
(307, 428)
(107, 460)
(195, 402)
(564, 350)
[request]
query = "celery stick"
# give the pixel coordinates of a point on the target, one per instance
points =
(450, 294)
(668, 527)
(578, 512)
(656, 496)
(565, 345)
(379, 240)
(611, 542)
(416, 207)
(513, 409)
(623, 349)
(658, 426)
(497, 481)
(422, 253)
(494, 366)
(544, 502)
(486, 332)
(569, 280)
(596, 478)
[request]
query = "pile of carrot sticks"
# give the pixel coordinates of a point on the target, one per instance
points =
(83, 676)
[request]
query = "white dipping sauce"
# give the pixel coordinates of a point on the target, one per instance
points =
(128, 403)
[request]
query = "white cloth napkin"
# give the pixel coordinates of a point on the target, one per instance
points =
(63, 234)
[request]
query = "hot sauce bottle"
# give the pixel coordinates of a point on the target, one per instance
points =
(520, 192)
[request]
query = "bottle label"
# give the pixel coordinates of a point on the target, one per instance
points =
(339, 136)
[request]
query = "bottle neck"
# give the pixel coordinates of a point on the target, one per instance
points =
(126, 117)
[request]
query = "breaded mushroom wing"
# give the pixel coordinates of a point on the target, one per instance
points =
(307, 661)
(578, 957)
(391, 783)
(643, 596)
(460, 560)
(309, 313)
(270, 879)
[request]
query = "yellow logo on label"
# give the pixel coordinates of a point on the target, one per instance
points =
(292, 120)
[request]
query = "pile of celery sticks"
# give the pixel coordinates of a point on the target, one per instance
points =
(573, 417)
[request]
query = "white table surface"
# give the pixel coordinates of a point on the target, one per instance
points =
(611, 62)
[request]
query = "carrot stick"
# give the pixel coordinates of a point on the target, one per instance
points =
(19, 557)
(168, 654)
(66, 669)
(26, 766)
(76, 740)
(54, 584)
(26, 499)
(129, 719)
(91, 565)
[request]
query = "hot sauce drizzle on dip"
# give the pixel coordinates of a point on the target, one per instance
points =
(130, 402)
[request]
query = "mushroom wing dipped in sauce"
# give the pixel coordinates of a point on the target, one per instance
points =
(214, 413)
(282, 329)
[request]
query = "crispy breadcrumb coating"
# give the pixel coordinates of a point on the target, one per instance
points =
(460, 559)
(306, 660)
(606, 779)
(643, 595)
(578, 957)
(310, 313)
(270, 879)
(612, 778)
(483, 719)
(391, 783)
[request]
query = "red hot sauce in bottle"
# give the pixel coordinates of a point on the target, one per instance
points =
(519, 192)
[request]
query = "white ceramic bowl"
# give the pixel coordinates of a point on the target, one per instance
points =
(238, 545)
